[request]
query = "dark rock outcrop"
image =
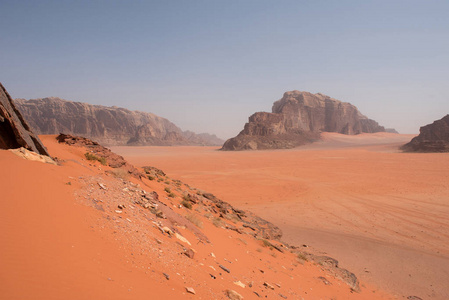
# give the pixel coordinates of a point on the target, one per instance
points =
(299, 118)
(107, 125)
(110, 158)
(14, 130)
(432, 138)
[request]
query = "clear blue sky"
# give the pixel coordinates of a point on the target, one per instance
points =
(208, 65)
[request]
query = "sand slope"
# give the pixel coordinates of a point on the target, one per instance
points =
(61, 237)
(382, 213)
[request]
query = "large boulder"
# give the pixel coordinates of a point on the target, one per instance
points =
(14, 130)
(299, 118)
(432, 138)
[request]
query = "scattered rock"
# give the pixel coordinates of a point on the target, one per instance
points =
(160, 214)
(189, 253)
(233, 295)
(190, 290)
(182, 239)
(266, 284)
(331, 265)
(324, 280)
(225, 269)
(240, 284)
(166, 276)
(249, 226)
(278, 248)
(167, 230)
(413, 298)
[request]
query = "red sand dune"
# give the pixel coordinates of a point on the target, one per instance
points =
(383, 214)
(61, 238)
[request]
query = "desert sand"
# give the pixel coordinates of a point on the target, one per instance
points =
(64, 236)
(382, 213)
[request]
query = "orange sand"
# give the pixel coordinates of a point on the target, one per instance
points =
(383, 214)
(56, 245)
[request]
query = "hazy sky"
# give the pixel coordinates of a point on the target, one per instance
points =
(208, 65)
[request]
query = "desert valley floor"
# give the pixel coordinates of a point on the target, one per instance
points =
(382, 213)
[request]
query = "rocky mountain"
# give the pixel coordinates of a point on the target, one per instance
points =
(432, 138)
(14, 130)
(107, 125)
(391, 130)
(297, 119)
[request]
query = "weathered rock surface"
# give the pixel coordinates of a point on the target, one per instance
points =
(14, 130)
(332, 266)
(233, 295)
(299, 118)
(33, 156)
(432, 138)
(190, 290)
(110, 158)
(107, 125)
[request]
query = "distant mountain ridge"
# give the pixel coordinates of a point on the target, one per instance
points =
(107, 125)
(299, 118)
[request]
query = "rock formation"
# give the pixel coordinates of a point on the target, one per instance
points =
(107, 125)
(98, 152)
(391, 130)
(14, 130)
(299, 118)
(432, 138)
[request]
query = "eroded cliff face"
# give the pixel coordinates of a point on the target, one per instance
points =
(106, 125)
(432, 138)
(318, 112)
(297, 119)
(14, 130)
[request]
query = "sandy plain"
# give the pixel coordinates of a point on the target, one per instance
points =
(61, 237)
(382, 213)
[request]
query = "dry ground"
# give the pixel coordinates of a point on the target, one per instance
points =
(383, 214)
(77, 231)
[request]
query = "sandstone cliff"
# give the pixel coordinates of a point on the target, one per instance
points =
(297, 119)
(14, 130)
(432, 138)
(106, 125)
